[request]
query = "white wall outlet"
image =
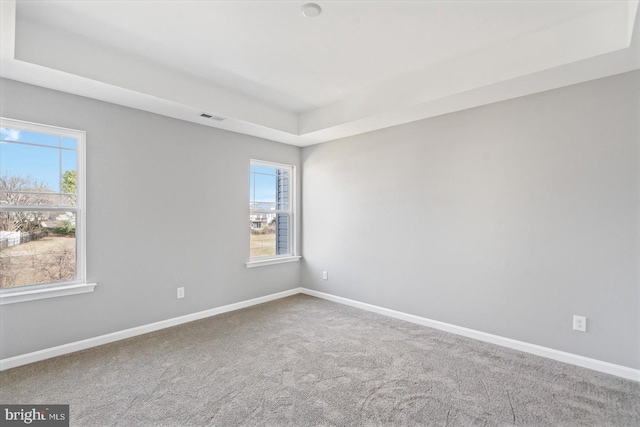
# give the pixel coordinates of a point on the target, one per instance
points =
(580, 323)
(180, 292)
(325, 275)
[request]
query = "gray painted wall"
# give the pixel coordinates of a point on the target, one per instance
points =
(167, 206)
(508, 218)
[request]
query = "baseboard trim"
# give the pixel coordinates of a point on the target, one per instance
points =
(36, 356)
(573, 359)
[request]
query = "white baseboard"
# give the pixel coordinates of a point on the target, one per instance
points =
(48, 353)
(573, 359)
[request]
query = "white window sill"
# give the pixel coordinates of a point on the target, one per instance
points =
(10, 296)
(271, 261)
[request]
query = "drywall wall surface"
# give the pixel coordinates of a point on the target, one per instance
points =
(167, 206)
(508, 218)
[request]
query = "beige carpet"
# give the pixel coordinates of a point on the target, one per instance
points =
(304, 361)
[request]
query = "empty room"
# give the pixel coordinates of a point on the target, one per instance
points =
(338, 213)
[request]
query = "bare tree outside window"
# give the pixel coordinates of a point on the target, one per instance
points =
(45, 253)
(16, 190)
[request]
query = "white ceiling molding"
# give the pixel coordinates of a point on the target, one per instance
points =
(597, 40)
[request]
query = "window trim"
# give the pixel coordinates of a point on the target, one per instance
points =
(291, 256)
(281, 259)
(69, 287)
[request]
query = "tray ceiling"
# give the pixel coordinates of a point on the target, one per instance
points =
(273, 73)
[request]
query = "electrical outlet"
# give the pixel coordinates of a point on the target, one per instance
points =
(580, 323)
(325, 275)
(180, 293)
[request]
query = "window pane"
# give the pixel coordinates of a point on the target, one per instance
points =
(67, 200)
(8, 134)
(68, 163)
(69, 143)
(264, 188)
(263, 235)
(29, 198)
(269, 234)
(263, 206)
(264, 170)
(269, 188)
(36, 248)
(68, 178)
(37, 167)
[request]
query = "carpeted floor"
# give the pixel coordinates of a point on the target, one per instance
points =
(304, 361)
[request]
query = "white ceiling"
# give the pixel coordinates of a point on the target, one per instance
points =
(271, 72)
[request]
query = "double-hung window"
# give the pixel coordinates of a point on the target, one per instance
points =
(42, 212)
(271, 213)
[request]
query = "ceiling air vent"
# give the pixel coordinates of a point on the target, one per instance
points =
(209, 116)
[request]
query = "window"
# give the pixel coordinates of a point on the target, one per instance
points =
(42, 212)
(271, 222)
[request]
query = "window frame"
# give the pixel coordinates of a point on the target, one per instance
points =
(79, 284)
(283, 258)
